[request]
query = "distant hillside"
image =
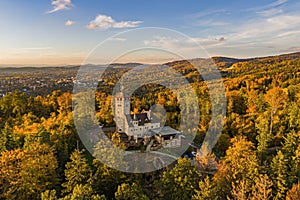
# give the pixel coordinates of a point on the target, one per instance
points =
(226, 62)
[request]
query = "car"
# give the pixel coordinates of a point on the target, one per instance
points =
(194, 153)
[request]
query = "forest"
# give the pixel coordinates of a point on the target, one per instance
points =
(257, 155)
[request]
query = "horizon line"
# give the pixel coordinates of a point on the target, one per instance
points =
(3, 65)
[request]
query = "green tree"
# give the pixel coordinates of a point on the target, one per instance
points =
(130, 192)
(83, 192)
(6, 139)
(106, 180)
(263, 137)
(294, 115)
(291, 153)
(14, 104)
(77, 171)
(49, 195)
(180, 182)
(206, 190)
(279, 175)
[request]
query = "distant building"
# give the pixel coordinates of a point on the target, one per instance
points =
(142, 125)
(136, 125)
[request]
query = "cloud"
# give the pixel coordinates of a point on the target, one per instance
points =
(179, 43)
(291, 49)
(289, 33)
(266, 29)
(118, 39)
(103, 22)
(277, 3)
(270, 6)
(69, 23)
(207, 13)
(210, 23)
(60, 5)
(270, 12)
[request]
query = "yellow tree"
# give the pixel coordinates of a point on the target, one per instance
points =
(130, 192)
(25, 174)
(240, 163)
(276, 98)
(262, 189)
(294, 192)
(9, 171)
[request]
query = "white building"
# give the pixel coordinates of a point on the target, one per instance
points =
(143, 125)
(136, 125)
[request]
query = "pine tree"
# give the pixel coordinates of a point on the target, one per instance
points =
(279, 175)
(83, 192)
(130, 192)
(291, 152)
(206, 190)
(180, 182)
(106, 180)
(6, 139)
(77, 171)
(263, 137)
(49, 195)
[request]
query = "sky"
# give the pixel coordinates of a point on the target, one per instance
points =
(62, 32)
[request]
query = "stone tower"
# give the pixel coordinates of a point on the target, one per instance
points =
(122, 108)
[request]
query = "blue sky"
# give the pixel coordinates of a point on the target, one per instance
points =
(56, 32)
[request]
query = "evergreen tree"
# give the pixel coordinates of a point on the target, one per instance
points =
(130, 192)
(49, 195)
(77, 171)
(291, 153)
(83, 192)
(263, 137)
(106, 180)
(206, 190)
(6, 138)
(294, 116)
(279, 175)
(180, 182)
